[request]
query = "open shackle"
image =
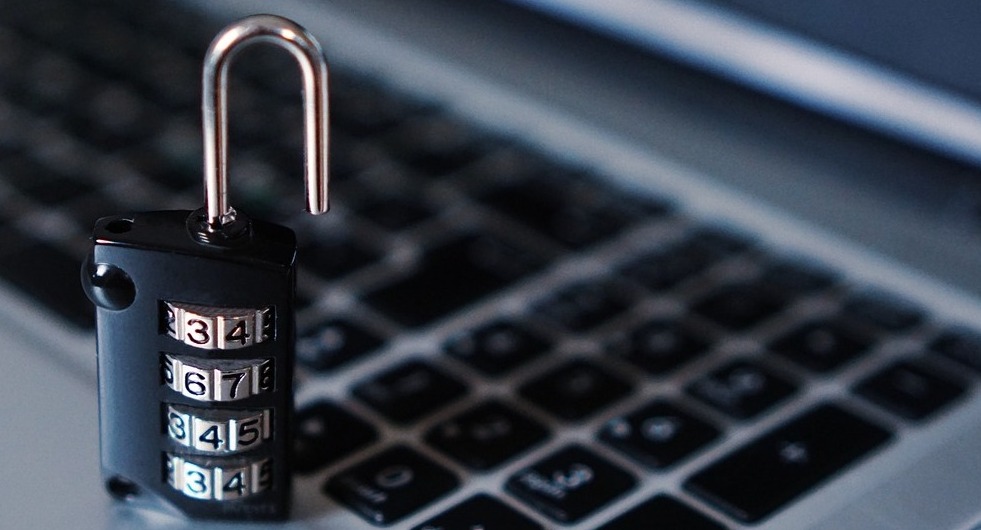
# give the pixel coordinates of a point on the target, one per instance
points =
(214, 109)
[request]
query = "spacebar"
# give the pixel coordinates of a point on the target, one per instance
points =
(773, 470)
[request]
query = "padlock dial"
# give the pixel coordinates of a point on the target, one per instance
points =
(217, 328)
(212, 380)
(204, 480)
(216, 431)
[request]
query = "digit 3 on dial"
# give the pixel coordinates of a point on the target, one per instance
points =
(203, 479)
(219, 432)
(214, 328)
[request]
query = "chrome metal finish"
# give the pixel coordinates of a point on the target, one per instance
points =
(217, 328)
(208, 482)
(220, 432)
(209, 380)
(214, 108)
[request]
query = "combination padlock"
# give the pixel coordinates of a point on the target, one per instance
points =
(195, 323)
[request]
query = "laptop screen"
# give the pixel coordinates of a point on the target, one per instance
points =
(905, 68)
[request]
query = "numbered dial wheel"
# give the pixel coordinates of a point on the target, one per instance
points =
(217, 328)
(231, 480)
(212, 380)
(218, 432)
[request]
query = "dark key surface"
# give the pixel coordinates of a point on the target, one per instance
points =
(910, 390)
(658, 435)
(570, 484)
(41, 182)
(566, 209)
(663, 268)
(575, 390)
(825, 345)
(326, 433)
(452, 275)
(741, 306)
(480, 512)
(659, 346)
(664, 513)
(334, 343)
(742, 389)
(883, 311)
(391, 485)
(360, 107)
(49, 275)
(487, 435)
(434, 144)
(585, 305)
(397, 212)
(721, 241)
(766, 475)
(409, 391)
(960, 345)
(796, 277)
(335, 255)
(497, 348)
(175, 171)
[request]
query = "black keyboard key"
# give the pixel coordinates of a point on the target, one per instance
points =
(659, 346)
(741, 389)
(177, 167)
(721, 241)
(883, 312)
(49, 275)
(960, 345)
(497, 348)
(664, 268)
(391, 485)
(335, 254)
(480, 512)
(52, 83)
(434, 144)
(397, 212)
(575, 390)
(452, 275)
(910, 390)
(824, 345)
(113, 117)
(769, 473)
(334, 343)
(486, 436)
(409, 391)
(156, 74)
(41, 182)
(741, 306)
(326, 433)
(570, 484)
(659, 434)
(566, 209)
(665, 513)
(585, 305)
(797, 278)
(361, 108)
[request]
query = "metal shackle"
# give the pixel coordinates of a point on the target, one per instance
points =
(214, 109)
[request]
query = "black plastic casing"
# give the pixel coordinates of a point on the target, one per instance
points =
(164, 262)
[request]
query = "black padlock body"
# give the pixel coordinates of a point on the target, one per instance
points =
(166, 401)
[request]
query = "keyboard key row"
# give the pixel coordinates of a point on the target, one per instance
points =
(573, 482)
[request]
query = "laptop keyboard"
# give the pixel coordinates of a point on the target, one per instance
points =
(481, 310)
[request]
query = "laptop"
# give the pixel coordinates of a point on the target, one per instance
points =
(621, 265)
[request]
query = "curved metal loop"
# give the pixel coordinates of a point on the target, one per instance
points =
(214, 107)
